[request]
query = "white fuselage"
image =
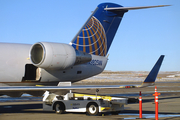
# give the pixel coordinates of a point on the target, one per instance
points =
(15, 59)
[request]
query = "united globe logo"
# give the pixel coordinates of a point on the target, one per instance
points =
(92, 38)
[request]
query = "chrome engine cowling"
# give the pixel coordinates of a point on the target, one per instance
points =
(60, 56)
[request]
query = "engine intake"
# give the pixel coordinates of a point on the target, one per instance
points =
(56, 56)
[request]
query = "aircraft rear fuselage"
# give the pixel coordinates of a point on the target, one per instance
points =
(17, 68)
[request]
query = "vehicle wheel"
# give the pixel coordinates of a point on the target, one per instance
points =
(92, 109)
(59, 108)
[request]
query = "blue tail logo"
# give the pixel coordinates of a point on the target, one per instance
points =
(97, 34)
(92, 38)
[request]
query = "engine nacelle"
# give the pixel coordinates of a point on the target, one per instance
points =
(56, 56)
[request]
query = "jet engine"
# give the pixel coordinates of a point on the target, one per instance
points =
(57, 56)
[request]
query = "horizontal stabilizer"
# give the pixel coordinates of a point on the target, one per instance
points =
(132, 8)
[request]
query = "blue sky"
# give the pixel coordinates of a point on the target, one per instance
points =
(142, 37)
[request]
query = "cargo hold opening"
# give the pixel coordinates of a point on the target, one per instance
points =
(32, 73)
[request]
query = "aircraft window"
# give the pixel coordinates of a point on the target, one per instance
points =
(79, 72)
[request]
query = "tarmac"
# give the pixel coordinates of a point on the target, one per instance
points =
(169, 105)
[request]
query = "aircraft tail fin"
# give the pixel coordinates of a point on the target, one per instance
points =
(150, 79)
(96, 35)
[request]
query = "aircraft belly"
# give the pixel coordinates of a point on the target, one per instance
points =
(77, 72)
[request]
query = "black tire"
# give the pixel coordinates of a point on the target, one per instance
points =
(92, 109)
(59, 108)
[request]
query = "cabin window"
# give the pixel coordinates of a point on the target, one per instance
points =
(79, 72)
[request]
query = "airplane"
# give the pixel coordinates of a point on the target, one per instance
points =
(32, 69)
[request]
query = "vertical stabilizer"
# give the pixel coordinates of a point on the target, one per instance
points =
(96, 35)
